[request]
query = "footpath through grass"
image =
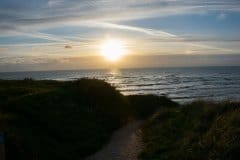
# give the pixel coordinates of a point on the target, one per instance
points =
(49, 120)
(65, 120)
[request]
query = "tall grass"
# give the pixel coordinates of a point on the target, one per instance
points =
(65, 120)
(59, 120)
(71, 120)
(197, 131)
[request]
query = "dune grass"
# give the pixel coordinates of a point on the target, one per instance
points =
(65, 120)
(71, 120)
(197, 131)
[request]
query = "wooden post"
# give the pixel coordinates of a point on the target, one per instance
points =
(2, 147)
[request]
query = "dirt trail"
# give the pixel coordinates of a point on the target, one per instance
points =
(125, 144)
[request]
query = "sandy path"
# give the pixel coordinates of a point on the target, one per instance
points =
(125, 144)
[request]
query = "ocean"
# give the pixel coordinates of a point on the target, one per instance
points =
(180, 84)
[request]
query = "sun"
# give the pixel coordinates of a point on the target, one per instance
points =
(112, 49)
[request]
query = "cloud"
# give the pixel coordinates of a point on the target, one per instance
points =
(221, 16)
(44, 13)
(3, 49)
(152, 32)
(12, 60)
(54, 3)
(27, 60)
(33, 19)
(68, 46)
(29, 19)
(132, 61)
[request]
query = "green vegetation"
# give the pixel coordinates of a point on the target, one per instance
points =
(197, 131)
(144, 106)
(71, 120)
(65, 120)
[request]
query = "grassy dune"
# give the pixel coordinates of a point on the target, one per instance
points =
(197, 131)
(71, 120)
(65, 120)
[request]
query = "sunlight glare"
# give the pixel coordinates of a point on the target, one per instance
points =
(112, 50)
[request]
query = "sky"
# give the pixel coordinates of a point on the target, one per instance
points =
(67, 34)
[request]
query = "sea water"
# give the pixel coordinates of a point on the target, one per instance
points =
(180, 84)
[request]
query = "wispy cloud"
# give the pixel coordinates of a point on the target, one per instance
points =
(148, 31)
(24, 18)
(54, 3)
(3, 49)
(68, 46)
(12, 60)
(31, 20)
(56, 12)
(221, 16)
